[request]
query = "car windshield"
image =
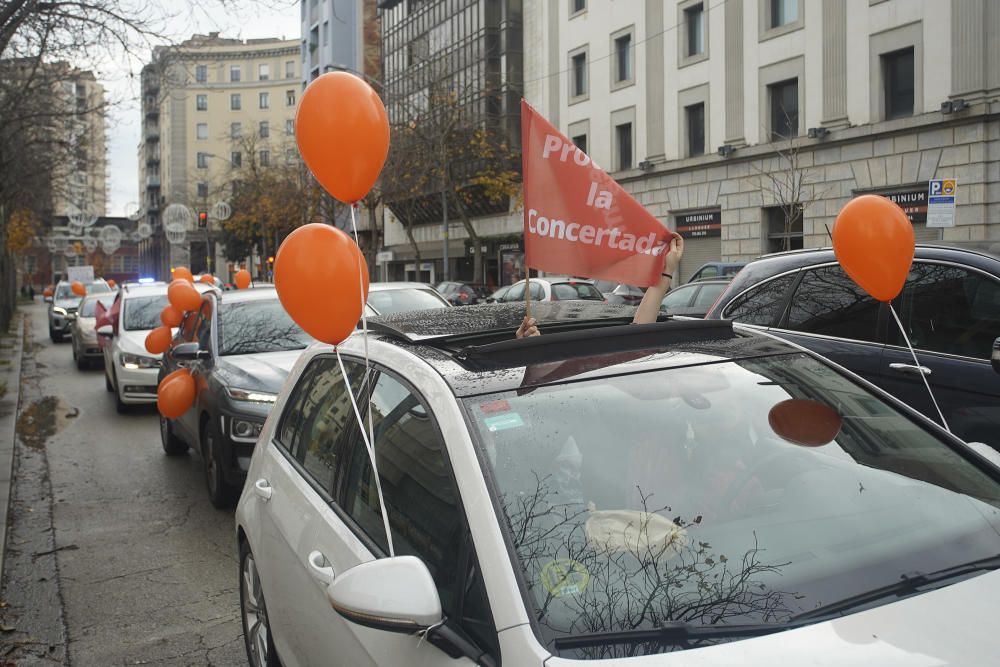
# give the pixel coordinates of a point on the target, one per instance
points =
(251, 327)
(142, 313)
(65, 290)
(570, 291)
(390, 301)
(705, 495)
(88, 307)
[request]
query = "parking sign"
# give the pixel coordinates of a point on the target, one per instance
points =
(941, 193)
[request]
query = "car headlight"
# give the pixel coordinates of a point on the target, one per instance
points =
(134, 361)
(244, 430)
(59, 311)
(251, 395)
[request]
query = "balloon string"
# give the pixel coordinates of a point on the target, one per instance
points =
(371, 451)
(915, 361)
(364, 315)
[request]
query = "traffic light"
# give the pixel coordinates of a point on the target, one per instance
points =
(202, 219)
(270, 260)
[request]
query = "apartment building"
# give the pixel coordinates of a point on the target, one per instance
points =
(746, 125)
(81, 182)
(340, 35)
(211, 106)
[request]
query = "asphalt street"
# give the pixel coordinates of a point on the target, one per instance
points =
(114, 556)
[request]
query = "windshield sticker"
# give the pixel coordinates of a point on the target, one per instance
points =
(503, 422)
(565, 577)
(494, 406)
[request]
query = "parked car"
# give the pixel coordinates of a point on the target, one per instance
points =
(716, 270)
(130, 371)
(83, 330)
(497, 296)
(693, 299)
(63, 305)
(950, 308)
(615, 292)
(463, 294)
(239, 347)
(400, 297)
(604, 491)
(555, 288)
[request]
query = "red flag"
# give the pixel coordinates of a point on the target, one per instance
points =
(577, 219)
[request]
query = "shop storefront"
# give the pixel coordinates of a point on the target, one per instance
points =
(702, 234)
(913, 200)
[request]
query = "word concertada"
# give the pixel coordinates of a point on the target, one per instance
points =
(609, 237)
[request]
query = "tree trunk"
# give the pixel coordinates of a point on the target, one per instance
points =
(477, 247)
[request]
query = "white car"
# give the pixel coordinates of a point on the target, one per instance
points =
(130, 371)
(554, 288)
(401, 297)
(681, 493)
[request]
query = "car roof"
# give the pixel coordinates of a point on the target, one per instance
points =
(475, 350)
(793, 259)
(379, 287)
(156, 289)
(258, 293)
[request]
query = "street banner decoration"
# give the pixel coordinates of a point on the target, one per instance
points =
(577, 220)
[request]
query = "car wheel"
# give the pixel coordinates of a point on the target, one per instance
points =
(256, 628)
(54, 335)
(172, 445)
(220, 492)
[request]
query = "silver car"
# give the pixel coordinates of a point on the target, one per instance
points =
(63, 305)
(83, 330)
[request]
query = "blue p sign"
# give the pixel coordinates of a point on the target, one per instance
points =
(935, 188)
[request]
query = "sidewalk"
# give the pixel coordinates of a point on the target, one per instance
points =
(11, 352)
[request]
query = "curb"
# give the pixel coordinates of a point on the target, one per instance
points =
(8, 428)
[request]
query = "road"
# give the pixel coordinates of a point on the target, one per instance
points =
(142, 567)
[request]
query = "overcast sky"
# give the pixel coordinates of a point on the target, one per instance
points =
(273, 18)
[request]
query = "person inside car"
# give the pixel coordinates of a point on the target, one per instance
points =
(649, 307)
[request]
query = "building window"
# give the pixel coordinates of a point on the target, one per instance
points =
(202, 190)
(694, 20)
(263, 72)
(264, 100)
(265, 158)
(201, 102)
(234, 72)
(783, 12)
(783, 98)
(202, 131)
(289, 69)
(577, 6)
(289, 98)
(236, 159)
(784, 227)
(581, 142)
(897, 77)
(235, 102)
(202, 160)
(235, 130)
(579, 71)
(694, 115)
(623, 58)
(623, 148)
(289, 126)
(201, 73)
(265, 129)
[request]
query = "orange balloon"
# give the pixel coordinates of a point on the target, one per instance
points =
(158, 340)
(183, 273)
(183, 296)
(873, 241)
(175, 394)
(171, 317)
(242, 279)
(47, 292)
(78, 288)
(207, 279)
(343, 134)
(313, 260)
(805, 422)
(111, 283)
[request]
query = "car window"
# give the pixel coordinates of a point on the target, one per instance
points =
(707, 295)
(828, 302)
(708, 272)
(678, 298)
(761, 304)
(731, 270)
(88, 308)
(189, 326)
(404, 299)
(949, 309)
(316, 415)
(258, 325)
(515, 293)
(203, 333)
(143, 312)
(605, 285)
(569, 291)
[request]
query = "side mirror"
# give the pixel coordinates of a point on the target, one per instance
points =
(48, 299)
(995, 357)
(105, 330)
(391, 594)
(189, 352)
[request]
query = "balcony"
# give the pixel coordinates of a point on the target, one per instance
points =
(152, 135)
(152, 160)
(152, 181)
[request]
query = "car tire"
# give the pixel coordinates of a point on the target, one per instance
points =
(221, 493)
(81, 361)
(55, 336)
(172, 445)
(253, 612)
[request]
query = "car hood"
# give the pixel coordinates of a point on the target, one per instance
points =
(67, 303)
(134, 342)
(955, 625)
(265, 371)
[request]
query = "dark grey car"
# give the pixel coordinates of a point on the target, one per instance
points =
(239, 346)
(950, 308)
(63, 305)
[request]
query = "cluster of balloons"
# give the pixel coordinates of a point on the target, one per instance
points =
(342, 132)
(176, 392)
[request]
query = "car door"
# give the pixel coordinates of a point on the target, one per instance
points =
(304, 541)
(830, 314)
(951, 315)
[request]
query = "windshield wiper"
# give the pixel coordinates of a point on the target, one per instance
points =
(907, 585)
